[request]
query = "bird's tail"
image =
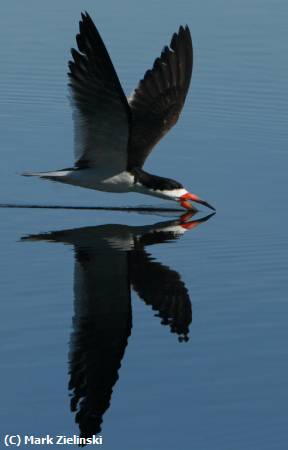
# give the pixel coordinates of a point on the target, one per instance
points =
(56, 175)
(49, 175)
(31, 174)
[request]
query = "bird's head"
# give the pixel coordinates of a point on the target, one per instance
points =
(165, 188)
(182, 196)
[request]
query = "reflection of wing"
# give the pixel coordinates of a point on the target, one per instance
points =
(163, 289)
(102, 321)
(102, 325)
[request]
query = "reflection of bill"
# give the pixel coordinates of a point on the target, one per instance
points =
(108, 260)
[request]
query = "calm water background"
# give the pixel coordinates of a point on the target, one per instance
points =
(226, 388)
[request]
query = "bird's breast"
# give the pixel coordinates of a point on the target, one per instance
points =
(122, 182)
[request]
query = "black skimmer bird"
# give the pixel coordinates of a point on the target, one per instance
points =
(114, 134)
(102, 309)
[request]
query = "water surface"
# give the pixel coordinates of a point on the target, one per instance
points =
(199, 353)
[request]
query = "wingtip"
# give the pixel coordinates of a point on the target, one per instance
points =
(183, 33)
(86, 18)
(188, 34)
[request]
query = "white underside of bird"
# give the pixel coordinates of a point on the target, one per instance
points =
(91, 178)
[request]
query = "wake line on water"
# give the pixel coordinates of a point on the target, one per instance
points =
(92, 208)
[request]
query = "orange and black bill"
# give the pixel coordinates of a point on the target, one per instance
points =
(187, 198)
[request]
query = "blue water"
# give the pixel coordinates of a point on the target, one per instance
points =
(225, 388)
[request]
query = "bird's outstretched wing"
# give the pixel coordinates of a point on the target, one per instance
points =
(158, 100)
(101, 111)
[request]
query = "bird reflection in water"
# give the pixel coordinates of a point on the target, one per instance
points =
(109, 259)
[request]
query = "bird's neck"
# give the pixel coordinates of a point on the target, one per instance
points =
(156, 186)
